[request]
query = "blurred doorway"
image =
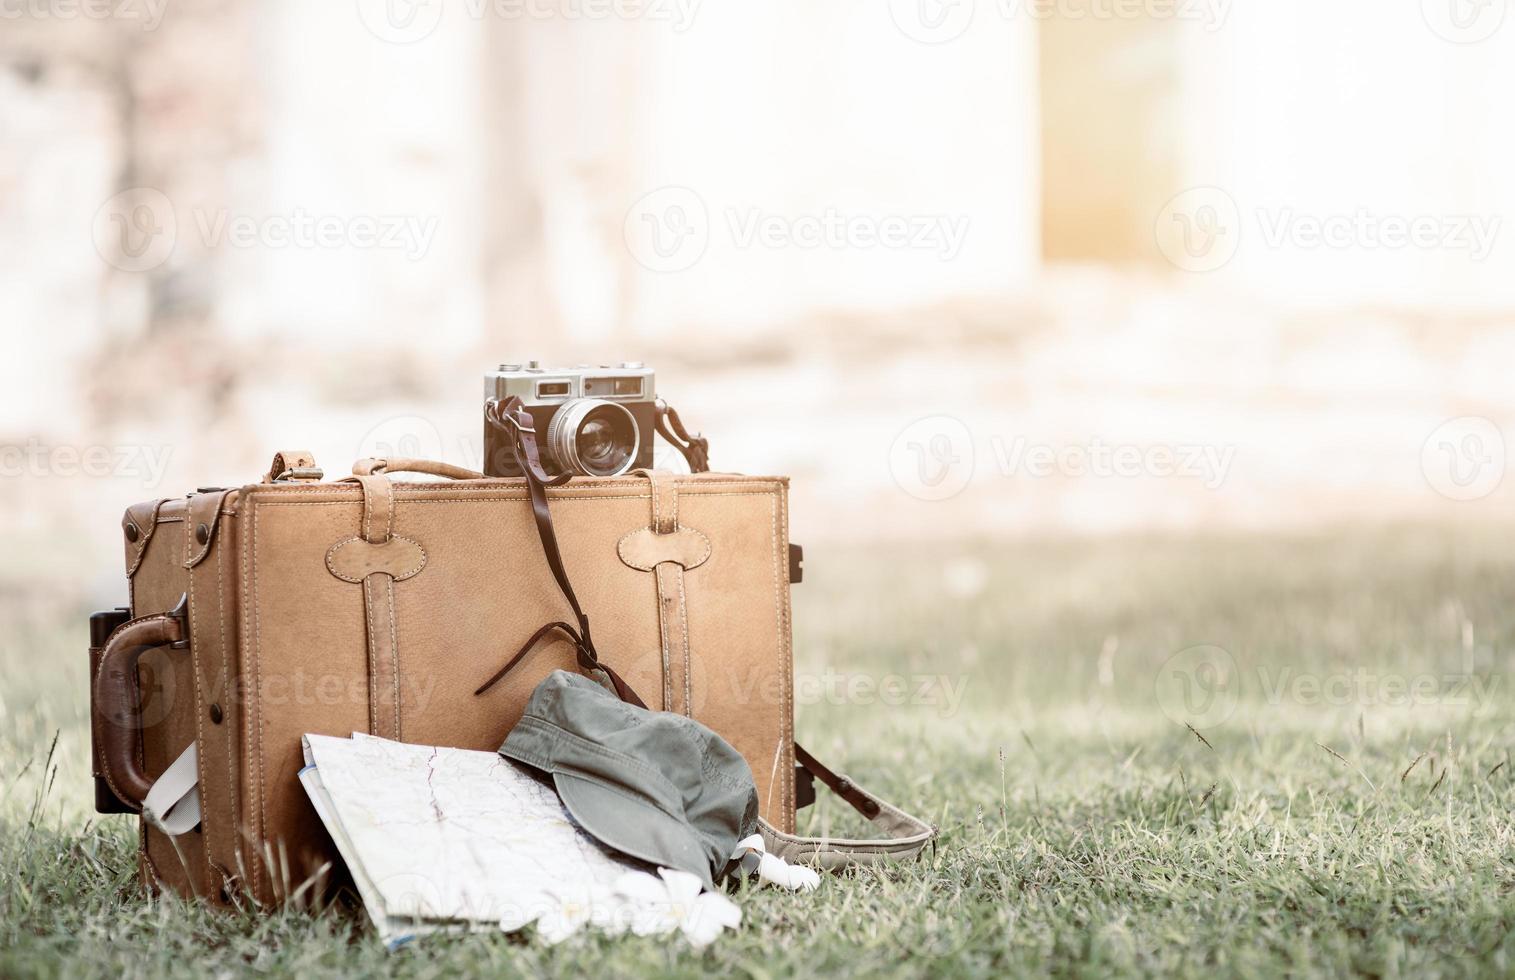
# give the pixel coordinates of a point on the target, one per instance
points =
(1110, 135)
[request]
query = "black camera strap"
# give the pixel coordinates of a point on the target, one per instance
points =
(511, 415)
(695, 448)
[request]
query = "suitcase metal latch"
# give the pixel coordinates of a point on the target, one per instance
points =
(180, 613)
(314, 473)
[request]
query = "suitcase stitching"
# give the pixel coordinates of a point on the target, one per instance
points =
(249, 556)
(786, 647)
(688, 655)
(394, 652)
(231, 772)
(195, 661)
(785, 737)
(373, 709)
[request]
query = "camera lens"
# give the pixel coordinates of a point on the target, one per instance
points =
(597, 445)
(593, 437)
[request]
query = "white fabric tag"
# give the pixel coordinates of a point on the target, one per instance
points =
(173, 804)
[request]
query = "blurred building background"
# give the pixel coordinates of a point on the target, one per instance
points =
(961, 267)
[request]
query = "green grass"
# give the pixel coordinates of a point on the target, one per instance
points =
(1318, 823)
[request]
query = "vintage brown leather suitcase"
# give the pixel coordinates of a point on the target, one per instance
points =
(379, 605)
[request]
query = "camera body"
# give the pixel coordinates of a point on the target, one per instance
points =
(590, 421)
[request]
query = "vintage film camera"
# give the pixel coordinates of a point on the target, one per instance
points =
(590, 421)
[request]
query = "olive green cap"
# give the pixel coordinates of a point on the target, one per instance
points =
(654, 785)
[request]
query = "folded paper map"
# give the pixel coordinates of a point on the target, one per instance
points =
(443, 839)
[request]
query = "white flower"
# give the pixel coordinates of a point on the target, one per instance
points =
(571, 914)
(773, 869)
(677, 901)
(566, 910)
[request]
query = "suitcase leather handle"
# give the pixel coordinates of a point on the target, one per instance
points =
(117, 706)
(372, 467)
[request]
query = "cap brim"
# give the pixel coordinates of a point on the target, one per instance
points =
(632, 826)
